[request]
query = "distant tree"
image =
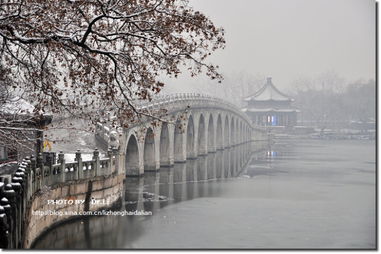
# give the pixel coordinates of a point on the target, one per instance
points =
(4, 86)
(333, 104)
(83, 55)
(17, 129)
(236, 87)
(360, 101)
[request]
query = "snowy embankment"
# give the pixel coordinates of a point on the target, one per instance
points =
(70, 157)
(70, 135)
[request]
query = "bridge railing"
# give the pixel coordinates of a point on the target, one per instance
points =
(194, 99)
(38, 175)
(175, 102)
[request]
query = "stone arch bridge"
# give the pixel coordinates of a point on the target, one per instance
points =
(194, 125)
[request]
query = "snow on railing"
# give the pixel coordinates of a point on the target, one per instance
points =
(196, 98)
(175, 102)
(34, 175)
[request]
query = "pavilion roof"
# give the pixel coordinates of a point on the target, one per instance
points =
(269, 92)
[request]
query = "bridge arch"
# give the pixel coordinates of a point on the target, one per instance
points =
(179, 141)
(164, 145)
(243, 132)
(240, 131)
(226, 133)
(132, 156)
(236, 134)
(219, 137)
(232, 132)
(246, 136)
(211, 144)
(190, 138)
(201, 139)
(149, 150)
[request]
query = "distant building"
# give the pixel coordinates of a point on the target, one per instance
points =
(270, 107)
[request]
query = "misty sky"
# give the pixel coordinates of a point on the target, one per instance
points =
(293, 39)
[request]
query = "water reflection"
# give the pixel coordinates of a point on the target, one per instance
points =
(264, 163)
(183, 181)
(286, 196)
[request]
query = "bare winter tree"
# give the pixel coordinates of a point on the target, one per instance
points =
(17, 128)
(82, 55)
(333, 104)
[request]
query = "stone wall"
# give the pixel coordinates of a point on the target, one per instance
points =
(96, 194)
(56, 189)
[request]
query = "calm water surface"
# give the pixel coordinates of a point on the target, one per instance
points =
(294, 194)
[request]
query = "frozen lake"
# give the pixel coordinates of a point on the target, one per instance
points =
(295, 194)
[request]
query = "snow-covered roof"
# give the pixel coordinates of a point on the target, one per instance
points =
(269, 92)
(17, 105)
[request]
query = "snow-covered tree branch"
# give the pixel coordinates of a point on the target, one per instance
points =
(82, 56)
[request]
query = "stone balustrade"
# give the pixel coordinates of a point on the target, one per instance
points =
(175, 101)
(35, 176)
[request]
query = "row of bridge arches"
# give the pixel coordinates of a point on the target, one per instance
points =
(223, 164)
(197, 134)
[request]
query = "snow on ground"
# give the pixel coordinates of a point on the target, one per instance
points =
(17, 105)
(70, 135)
(70, 157)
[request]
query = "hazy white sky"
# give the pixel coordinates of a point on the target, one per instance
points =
(291, 39)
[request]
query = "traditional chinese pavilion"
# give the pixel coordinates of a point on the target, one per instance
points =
(270, 107)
